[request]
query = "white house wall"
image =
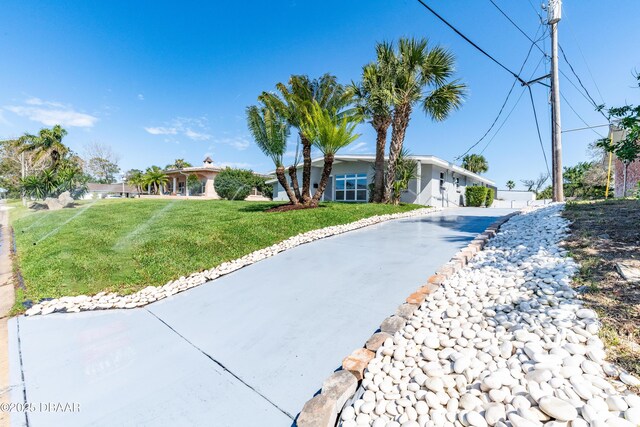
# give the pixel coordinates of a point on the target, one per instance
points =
(428, 191)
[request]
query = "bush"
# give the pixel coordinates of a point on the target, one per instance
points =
(234, 184)
(476, 196)
(490, 196)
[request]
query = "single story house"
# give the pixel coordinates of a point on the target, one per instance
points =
(437, 182)
(99, 191)
(206, 174)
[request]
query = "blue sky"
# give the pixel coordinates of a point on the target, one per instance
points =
(163, 80)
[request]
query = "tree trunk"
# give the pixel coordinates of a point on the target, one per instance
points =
(381, 125)
(324, 178)
(399, 125)
(624, 180)
(306, 168)
(283, 181)
(293, 174)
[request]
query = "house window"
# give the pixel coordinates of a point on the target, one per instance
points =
(351, 187)
(456, 181)
(441, 179)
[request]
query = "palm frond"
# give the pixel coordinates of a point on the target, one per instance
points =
(445, 99)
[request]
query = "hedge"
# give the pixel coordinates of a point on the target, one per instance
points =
(490, 196)
(234, 184)
(476, 196)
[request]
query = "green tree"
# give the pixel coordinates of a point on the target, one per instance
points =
(405, 172)
(135, 178)
(475, 163)
(421, 75)
(155, 179)
(179, 164)
(329, 130)
(374, 98)
(270, 131)
(48, 143)
(102, 170)
(511, 185)
(293, 103)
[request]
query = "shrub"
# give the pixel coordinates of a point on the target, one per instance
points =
(476, 196)
(234, 184)
(490, 196)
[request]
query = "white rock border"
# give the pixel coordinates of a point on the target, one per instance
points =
(341, 387)
(105, 301)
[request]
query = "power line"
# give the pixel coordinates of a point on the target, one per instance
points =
(510, 112)
(595, 104)
(518, 27)
(588, 127)
(535, 116)
(579, 116)
(505, 101)
(470, 42)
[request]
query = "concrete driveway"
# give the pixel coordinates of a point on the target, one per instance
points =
(245, 350)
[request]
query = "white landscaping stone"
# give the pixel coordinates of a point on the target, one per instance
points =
(503, 342)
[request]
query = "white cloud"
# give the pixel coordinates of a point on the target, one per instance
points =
(52, 113)
(196, 136)
(238, 142)
(195, 129)
(360, 147)
(161, 131)
(141, 97)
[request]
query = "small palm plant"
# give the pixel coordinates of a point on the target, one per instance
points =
(405, 172)
(270, 131)
(155, 179)
(329, 130)
(511, 185)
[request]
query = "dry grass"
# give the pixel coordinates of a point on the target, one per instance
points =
(603, 233)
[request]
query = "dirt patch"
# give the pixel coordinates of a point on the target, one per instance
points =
(604, 233)
(289, 207)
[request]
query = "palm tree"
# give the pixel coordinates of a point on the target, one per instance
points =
(48, 142)
(270, 131)
(136, 178)
(179, 164)
(155, 178)
(421, 75)
(293, 102)
(511, 185)
(475, 163)
(374, 100)
(328, 130)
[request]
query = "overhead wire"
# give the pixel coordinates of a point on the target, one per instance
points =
(579, 116)
(535, 115)
(506, 99)
(518, 27)
(468, 40)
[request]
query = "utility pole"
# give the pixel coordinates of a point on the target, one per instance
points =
(554, 14)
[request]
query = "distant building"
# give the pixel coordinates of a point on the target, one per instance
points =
(100, 191)
(633, 170)
(206, 175)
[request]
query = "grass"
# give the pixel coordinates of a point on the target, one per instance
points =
(603, 233)
(125, 245)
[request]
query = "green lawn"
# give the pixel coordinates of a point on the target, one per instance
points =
(124, 245)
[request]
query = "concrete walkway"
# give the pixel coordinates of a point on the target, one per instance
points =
(247, 349)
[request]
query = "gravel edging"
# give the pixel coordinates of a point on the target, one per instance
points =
(105, 301)
(341, 387)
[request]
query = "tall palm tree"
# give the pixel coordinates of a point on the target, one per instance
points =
(48, 142)
(329, 131)
(270, 131)
(293, 102)
(155, 178)
(374, 98)
(475, 163)
(136, 178)
(421, 75)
